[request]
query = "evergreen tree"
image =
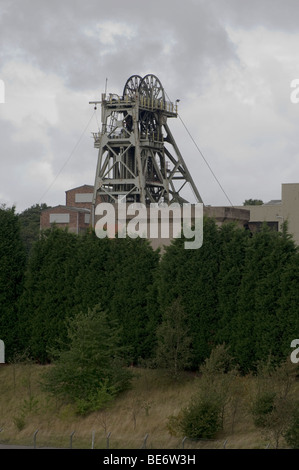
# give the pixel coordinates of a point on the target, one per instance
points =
(90, 371)
(255, 332)
(48, 296)
(130, 269)
(30, 225)
(170, 279)
(192, 275)
(173, 340)
(90, 279)
(253, 202)
(202, 292)
(233, 242)
(287, 310)
(12, 267)
(153, 315)
(281, 250)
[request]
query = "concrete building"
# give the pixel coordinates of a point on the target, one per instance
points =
(76, 214)
(275, 212)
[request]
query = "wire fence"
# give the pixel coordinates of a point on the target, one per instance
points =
(97, 440)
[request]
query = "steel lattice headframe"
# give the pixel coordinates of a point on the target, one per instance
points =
(138, 157)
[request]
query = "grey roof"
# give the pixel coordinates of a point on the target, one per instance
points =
(67, 208)
(273, 202)
(79, 187)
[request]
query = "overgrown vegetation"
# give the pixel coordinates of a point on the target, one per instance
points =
(173, 352)
(91, 371)
(204, 415)
(169, 412)
(274, 405)
(30, 225)
(175, 311)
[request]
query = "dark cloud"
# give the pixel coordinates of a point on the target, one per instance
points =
(76, 45)
(64, 38)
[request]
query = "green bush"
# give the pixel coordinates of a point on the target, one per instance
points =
(201, 419)
(292, 434)
(19, 421)
(92, 371)
(262, 406)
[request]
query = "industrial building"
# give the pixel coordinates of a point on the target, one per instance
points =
(76, 214)
(277, 211)
(140, 161)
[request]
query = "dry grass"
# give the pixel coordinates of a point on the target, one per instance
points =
(142, 410)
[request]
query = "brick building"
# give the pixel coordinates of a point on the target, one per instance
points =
(75, 214)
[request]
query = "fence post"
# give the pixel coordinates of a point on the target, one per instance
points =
(34, 439)
(71, 439)
(92, 439)
(183, 442)
(144, 442)
(107, 440)
(2, 345)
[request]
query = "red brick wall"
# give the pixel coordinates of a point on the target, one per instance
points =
(71, 196)
(77, 219)
(76, 224)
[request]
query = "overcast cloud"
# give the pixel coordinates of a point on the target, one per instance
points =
(230, 62)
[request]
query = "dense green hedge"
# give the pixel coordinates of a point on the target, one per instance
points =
(239, 288)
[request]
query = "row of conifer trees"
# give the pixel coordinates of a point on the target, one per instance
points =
(238, 289)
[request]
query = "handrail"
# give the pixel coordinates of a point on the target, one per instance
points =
(145, 102)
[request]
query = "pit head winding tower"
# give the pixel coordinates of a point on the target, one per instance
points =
(138, 158)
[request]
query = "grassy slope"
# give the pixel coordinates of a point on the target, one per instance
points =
(144, 409)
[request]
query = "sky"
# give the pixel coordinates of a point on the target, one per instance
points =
(231, 63)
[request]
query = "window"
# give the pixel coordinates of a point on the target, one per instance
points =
(83, 197)
(59, 218)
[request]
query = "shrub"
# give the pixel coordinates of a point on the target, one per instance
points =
(92, 371)
(20, 422)
(202, 419)
(292, 434)
(262, 407)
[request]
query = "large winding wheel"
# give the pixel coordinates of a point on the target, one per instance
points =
(131, 86)
(130, 89)
(151, 90)
(139, 158)
(152, 98)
